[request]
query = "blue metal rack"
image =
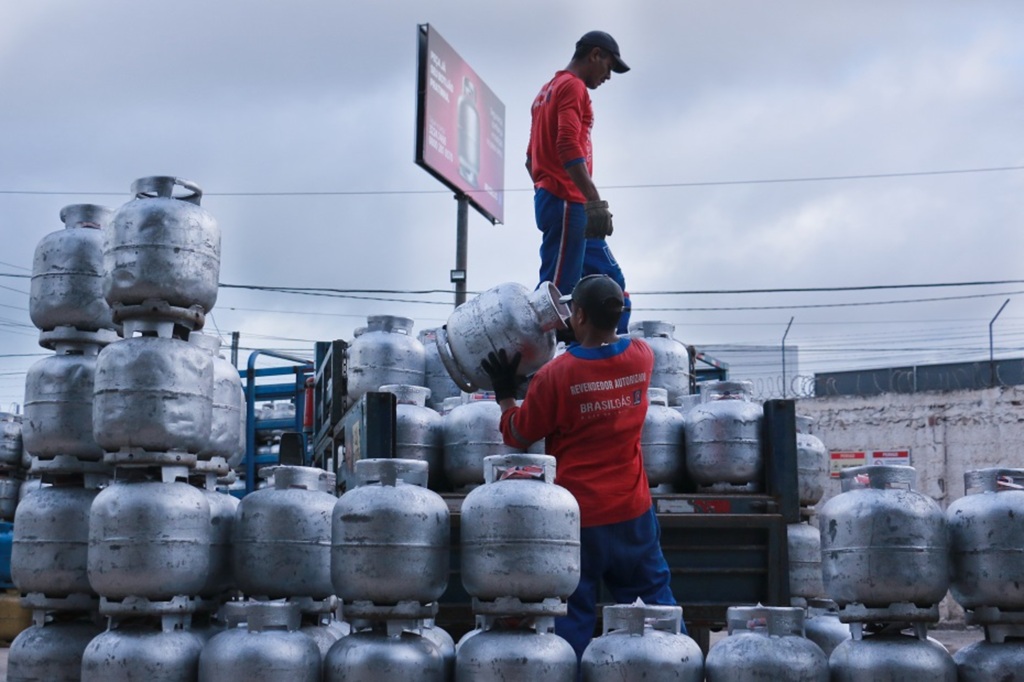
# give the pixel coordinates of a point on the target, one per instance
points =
(295, 390)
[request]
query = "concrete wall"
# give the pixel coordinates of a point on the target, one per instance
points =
(947, 433)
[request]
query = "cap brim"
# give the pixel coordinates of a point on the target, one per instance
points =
(618, 65)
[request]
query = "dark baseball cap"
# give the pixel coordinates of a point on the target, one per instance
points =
(596, 293)
(605, 42)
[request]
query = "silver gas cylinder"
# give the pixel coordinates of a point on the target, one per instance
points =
(643, 642)
(986, 532)
(131, 651)
(766, 643)
(149, 538)
(162, 246)
(50, 552)
(387, 650)
(390, 536)
(472, 432)
(892, 658)
(671, 357)
(661, 442)
(436, 377)
(822, 625)
(223, 507)
(811, 463)
(996, 658)
(882, 542)
(387, 353)
(10, 488)
(324, 630)
(419, 430)
(152, 393)
(514, 649)
(269, 648)
(58, 404)
(11, 443)
(520, 532)
(52, 651)
(67, 273)
(723, 437)
(282, 536)
(804, 543)
(227, 402)
(508, 316)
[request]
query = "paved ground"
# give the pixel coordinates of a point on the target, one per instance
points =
(951, 639)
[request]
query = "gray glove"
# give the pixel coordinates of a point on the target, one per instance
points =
(599, 219)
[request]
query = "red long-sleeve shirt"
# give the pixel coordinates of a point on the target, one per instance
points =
(590, 404)
(560, 135)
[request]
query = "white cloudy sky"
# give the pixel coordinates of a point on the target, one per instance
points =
(249, 98)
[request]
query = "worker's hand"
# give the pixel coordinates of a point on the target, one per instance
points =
(503, 372)
(599, 219)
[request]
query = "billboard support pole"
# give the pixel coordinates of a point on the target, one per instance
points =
(458, 275)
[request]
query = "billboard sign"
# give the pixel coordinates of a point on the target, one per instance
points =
(460, 126)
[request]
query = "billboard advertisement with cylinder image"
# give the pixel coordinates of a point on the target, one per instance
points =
(460, 126)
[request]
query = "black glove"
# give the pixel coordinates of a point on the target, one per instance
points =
(503, 373)
(599, 219)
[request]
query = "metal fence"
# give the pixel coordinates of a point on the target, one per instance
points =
(913, 379)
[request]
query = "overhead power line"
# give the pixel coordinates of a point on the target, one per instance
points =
(665, 185)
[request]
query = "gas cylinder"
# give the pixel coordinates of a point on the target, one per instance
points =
(68, 274)
(804, 543)
(436, 377)
(227, 402)
(269, 648)
(892, 658)
(986, 532)
(671, 357)
(418, 430)
(766, 643)
(723, 436)
(822, 625)
(220, 578)
(58, 404)
(811, 463)
(149, 538)
(386, 650)
(882, 542)
(11, 448)
(282, 536)
(520, 532)
(130, 651)
(508, 317)
(10, 488)
(991, 661)
(51, 651)
(163, 246)
(50, 551)
(152, 393)
(472, 432)
(514, 649)
(390, 536)
(643, 642)
(387, 353)
(662, 441)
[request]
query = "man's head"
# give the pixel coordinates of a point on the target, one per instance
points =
(596, 57)
(596, 300)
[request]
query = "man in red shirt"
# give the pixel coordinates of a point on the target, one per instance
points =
(570, 213)
(589, 404)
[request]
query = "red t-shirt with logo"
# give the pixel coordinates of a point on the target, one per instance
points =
(589, 404)
(560, 135)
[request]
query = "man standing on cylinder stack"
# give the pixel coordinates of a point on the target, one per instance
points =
(570, 213)
(589, 404)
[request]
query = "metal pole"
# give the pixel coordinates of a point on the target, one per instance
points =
(991, 348)
(234, 349)
(784, 356)
(461, 248)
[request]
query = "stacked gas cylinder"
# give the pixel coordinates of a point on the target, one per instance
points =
(986, 531)
(49, 557)
(766, 643)
(520, 540)
(885, 563)
(641, 642)
(12, 469)
(389, 565)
